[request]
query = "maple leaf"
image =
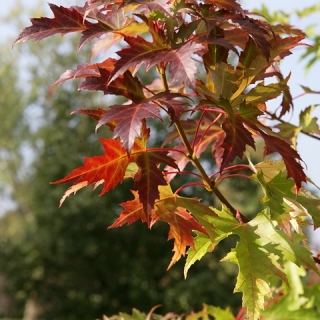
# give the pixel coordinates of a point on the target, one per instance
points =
(262, 93)
(133, 211)
(139, 51)
(276, 191)
(230, 5)
(284, 205)
(111, 39)
(149, 177)
(129, 120)
(97, 78)
(85, 70)
(182, 66)
(253, 278)
(172, 209)
(292, 248)
(202, 245)
(221, 81)
(160, 5)
(181, 224)
(307, 122)
(235, 142)
(125, 85)
(175, 107)
(113, 19)
(93, 113)
(109, 168)
(248, 115)
(290, 158)
(65, 20)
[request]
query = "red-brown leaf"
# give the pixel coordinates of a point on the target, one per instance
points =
(109, 168)
(129, 120)
(230, 5)
(139, 51)
(182, 66)
(181, 224)
(149, 177)
(125, 85)
(65, 20)
(236, 140)
(169, 208)
(133, 211)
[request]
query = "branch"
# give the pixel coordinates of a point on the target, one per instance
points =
(208, 183)
(274, 117)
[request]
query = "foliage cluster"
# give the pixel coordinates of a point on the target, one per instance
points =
(210, 61)
(61, 259)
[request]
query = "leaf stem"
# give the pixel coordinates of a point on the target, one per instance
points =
(274, 117)
(208, 183)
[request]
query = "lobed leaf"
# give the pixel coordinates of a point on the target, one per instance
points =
(202, 245)
(166, 209)
(257, 262)
(108, 169)
(65, 20)
(149, 177)
(235, 142)
(139, 51)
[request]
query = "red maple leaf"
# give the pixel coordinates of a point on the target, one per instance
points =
(65, 20)
(230, 5)
(129, 119)
(181, 223)
(149, 177)
(133, 211)
(248, 116)
(85, 70)
(95, 114)
(108, 169)
(139, 51)
(175, 107)
(182, 66)
(169, 208)
(112, 19)
(125, 85)
(97, 78)
(236, 139)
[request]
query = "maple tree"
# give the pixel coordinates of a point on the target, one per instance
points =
(216, 68)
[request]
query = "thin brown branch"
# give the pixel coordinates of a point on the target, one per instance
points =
(274, 117)
(209, 184)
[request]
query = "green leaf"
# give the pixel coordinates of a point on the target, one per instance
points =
(275, 190)
(220, 314)
(291, 249)
(307, 122)
(260, 93)
(311, 203)
(279, 195)
(216, 312)
(255, 259)
(202, 245)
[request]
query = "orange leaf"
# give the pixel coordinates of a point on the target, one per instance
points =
(109, 168)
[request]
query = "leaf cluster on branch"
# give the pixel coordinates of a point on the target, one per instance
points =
(214, 68)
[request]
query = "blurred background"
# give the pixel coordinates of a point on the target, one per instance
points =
(64, 263)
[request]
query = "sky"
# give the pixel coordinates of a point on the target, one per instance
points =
(308, 148)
